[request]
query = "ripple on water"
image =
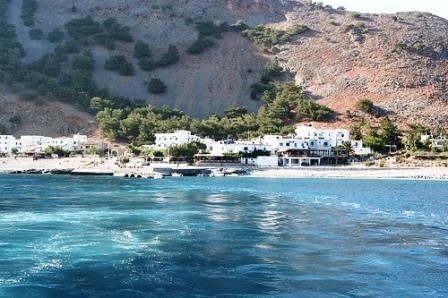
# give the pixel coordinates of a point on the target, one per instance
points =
(110, 237)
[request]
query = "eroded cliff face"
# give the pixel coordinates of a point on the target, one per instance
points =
(335, 65)
(340, 67)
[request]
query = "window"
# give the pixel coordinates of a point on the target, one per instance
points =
(281, 144)
(287, 144)
(325, 143)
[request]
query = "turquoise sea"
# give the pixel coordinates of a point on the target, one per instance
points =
(64, 236)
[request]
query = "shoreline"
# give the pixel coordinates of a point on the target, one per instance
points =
(352, 172)
(98, 166)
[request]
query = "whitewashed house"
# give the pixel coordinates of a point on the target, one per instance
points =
(336, 137)
(37, 144)
(33, 144)
(229, 146)
(280, 143)
(359, 149)
(166, 140)
(7, 144)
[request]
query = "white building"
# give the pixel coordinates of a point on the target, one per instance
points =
(359, 149)
(280, 144)
(33, 144)
(7, 144)
(70, 144)
(335, 137)
(166, 140)
(37, 144)
(439, 142)
(229, 146)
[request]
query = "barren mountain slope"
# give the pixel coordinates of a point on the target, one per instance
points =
(49, 118)
(398, 61)
(341, 67)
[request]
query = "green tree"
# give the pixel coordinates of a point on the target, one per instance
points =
(366, 106)
(142, 50)
(83, 28)
(235, 112)
(373, 140)
(55, 36)
(85, 62)
(98, 104)
(36, 33)
(188, 150)
(414, 137)
(16, 120)
(200, 45)
(356, 131)
(389, 133)
(120, 64)
(170, 57)
(51, 150)
(156, 86)
(147, 64)
(273, 69)
(109, 122)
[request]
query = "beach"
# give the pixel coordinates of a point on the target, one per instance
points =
(96, 165)
(356, 172)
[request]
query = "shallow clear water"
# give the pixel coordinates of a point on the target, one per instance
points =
(112, 237)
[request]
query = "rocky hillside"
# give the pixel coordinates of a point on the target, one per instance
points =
(21, 117)
(398, 61)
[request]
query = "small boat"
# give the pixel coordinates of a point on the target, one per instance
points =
(158, 176)
(233, 175)
(216, 173)
(176, 174)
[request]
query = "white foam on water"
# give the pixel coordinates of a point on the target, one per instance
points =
(9, 281)
(45, 266)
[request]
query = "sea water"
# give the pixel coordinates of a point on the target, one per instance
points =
(114, 237)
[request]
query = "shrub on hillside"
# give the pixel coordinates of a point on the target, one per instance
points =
(82, 28)
(120, 64)
(29, 8)
(365, 106)
(141, 50)
(55, 36)
(68, 47)
(156, 86)
(265, 37)
(273, 69)
(169, 58)
(104, 40)
(307, 108)
(239, 26)
(85, 62)
(36, 33)
(210, 28)
(147, 64)
(200, 45)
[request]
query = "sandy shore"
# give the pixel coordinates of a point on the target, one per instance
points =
(101, 166)
(350, 172)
